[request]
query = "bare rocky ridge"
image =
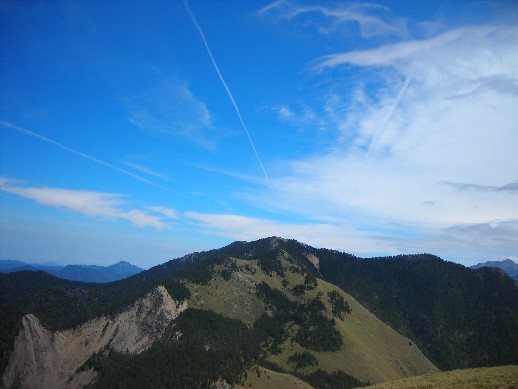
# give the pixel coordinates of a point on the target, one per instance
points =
(46, 359)
(313, 259)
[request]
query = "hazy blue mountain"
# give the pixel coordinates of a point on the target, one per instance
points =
(507, 265)
(124, 269)
(7, 264)
(84, 273)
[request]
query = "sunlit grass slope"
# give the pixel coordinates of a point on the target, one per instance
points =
(501, 377)
(371, 351)
(260, 377)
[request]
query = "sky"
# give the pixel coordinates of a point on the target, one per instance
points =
(147, 130)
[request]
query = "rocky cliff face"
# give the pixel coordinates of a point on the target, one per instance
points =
(46, 359)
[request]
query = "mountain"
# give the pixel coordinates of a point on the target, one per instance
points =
(7, 264)
(124, 269)
(84, 273)
(507, 265)
(485, 377)
(450, 311)
(269, 313)
(132, 331)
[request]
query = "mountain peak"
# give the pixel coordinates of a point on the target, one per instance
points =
(122, 263)
(507, 265)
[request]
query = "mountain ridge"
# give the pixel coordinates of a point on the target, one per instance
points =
(64, 361)
(507, 265)
(283, 292)
(84, 273)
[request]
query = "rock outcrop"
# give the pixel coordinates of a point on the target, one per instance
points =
(46, 359)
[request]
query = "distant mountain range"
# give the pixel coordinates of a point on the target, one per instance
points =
(510, 267)
(85, 273)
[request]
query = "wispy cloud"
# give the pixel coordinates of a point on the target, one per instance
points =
(172, 109)
(392, 54)
(510, 188)
(372, 20)
(258, 180)
(109, 206)
(303, 116)
(170, 213)
(145, 170)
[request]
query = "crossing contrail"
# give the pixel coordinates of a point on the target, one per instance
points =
(381, 128)
(375, 139)
(202, 35)
(80, 154)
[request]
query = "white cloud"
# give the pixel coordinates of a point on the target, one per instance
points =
(285, 112)
(466, 243)
(302, 116)
(443, 111)
(103, 205)
(170, 213)
(239, 227)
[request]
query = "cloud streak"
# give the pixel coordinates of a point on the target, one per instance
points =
(392, 54)
(145, 170)
(80, 154)
(362, 14)
(510, 188)
(231, 97)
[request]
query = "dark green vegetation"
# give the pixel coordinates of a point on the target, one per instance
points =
(270, 265)
(457, 316)
(211, 347)
(315, 330)
(335, 380)
(302, 360)
(340, 306)
(310, 283)
(61, 304)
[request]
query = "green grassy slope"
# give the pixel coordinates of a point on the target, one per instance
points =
(371, 350)
(259, 377)
(501, 377)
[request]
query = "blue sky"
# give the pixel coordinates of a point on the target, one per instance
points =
(143, 131)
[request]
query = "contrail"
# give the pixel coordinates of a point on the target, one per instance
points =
(202, 35)
(80, 154)
(377, 134)
(381, 128)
